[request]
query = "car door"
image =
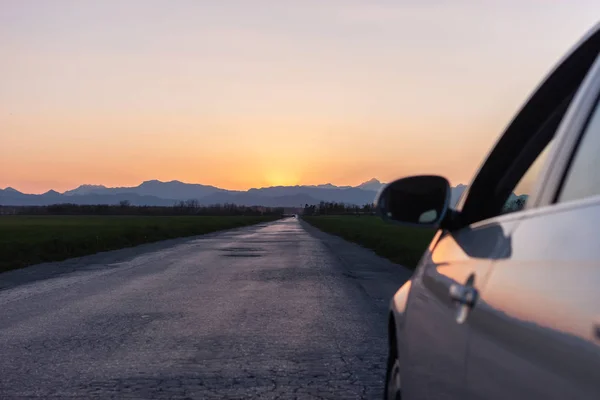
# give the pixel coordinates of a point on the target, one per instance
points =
(535, 331)
(435, 343)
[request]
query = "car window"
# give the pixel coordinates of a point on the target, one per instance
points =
(511, 172)
(583, 178)
(524, 188)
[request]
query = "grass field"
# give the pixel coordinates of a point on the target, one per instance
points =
(26, 240)
(399, 244)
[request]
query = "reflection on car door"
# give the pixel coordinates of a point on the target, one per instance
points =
(534, 330)
(436, 342)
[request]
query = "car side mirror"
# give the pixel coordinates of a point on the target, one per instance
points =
(421, 200)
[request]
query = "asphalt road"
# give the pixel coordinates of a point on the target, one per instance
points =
(274, 311)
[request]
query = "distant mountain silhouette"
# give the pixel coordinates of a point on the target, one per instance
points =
(456, 193)
(329, 186)
(166, 190)
(10, 198)
(11, 190)
(157, 193)
(86, 189)
(372, 184)
(292, 196)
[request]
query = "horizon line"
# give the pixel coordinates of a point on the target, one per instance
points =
(193, 183)
(202, 184)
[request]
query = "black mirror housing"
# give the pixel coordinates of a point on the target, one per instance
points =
(419, 201)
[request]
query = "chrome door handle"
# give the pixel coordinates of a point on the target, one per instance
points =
(466, 297)
(463, 294)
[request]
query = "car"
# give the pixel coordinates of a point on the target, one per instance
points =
(505, 301)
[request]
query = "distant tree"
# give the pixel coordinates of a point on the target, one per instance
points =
(192, 204)
(519, 204)
(179, 208)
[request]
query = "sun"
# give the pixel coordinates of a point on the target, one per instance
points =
(281, 178)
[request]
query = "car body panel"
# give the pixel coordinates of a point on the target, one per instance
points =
(431, 344)
(534, 331)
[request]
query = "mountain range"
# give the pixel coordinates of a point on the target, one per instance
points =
(157, 193)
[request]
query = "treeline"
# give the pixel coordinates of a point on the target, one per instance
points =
(191, 207)
(331, 208)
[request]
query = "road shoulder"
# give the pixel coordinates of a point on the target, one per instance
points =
(379, 277)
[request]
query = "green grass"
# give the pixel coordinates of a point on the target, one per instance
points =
(26, 240)
(401, 245)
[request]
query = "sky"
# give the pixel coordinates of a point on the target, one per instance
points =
(242, 94)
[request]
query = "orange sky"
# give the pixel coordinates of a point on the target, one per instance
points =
(239, 94)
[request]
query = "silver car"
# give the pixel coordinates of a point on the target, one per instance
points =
(505, 302)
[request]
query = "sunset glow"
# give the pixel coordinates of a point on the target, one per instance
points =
(243, 94)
